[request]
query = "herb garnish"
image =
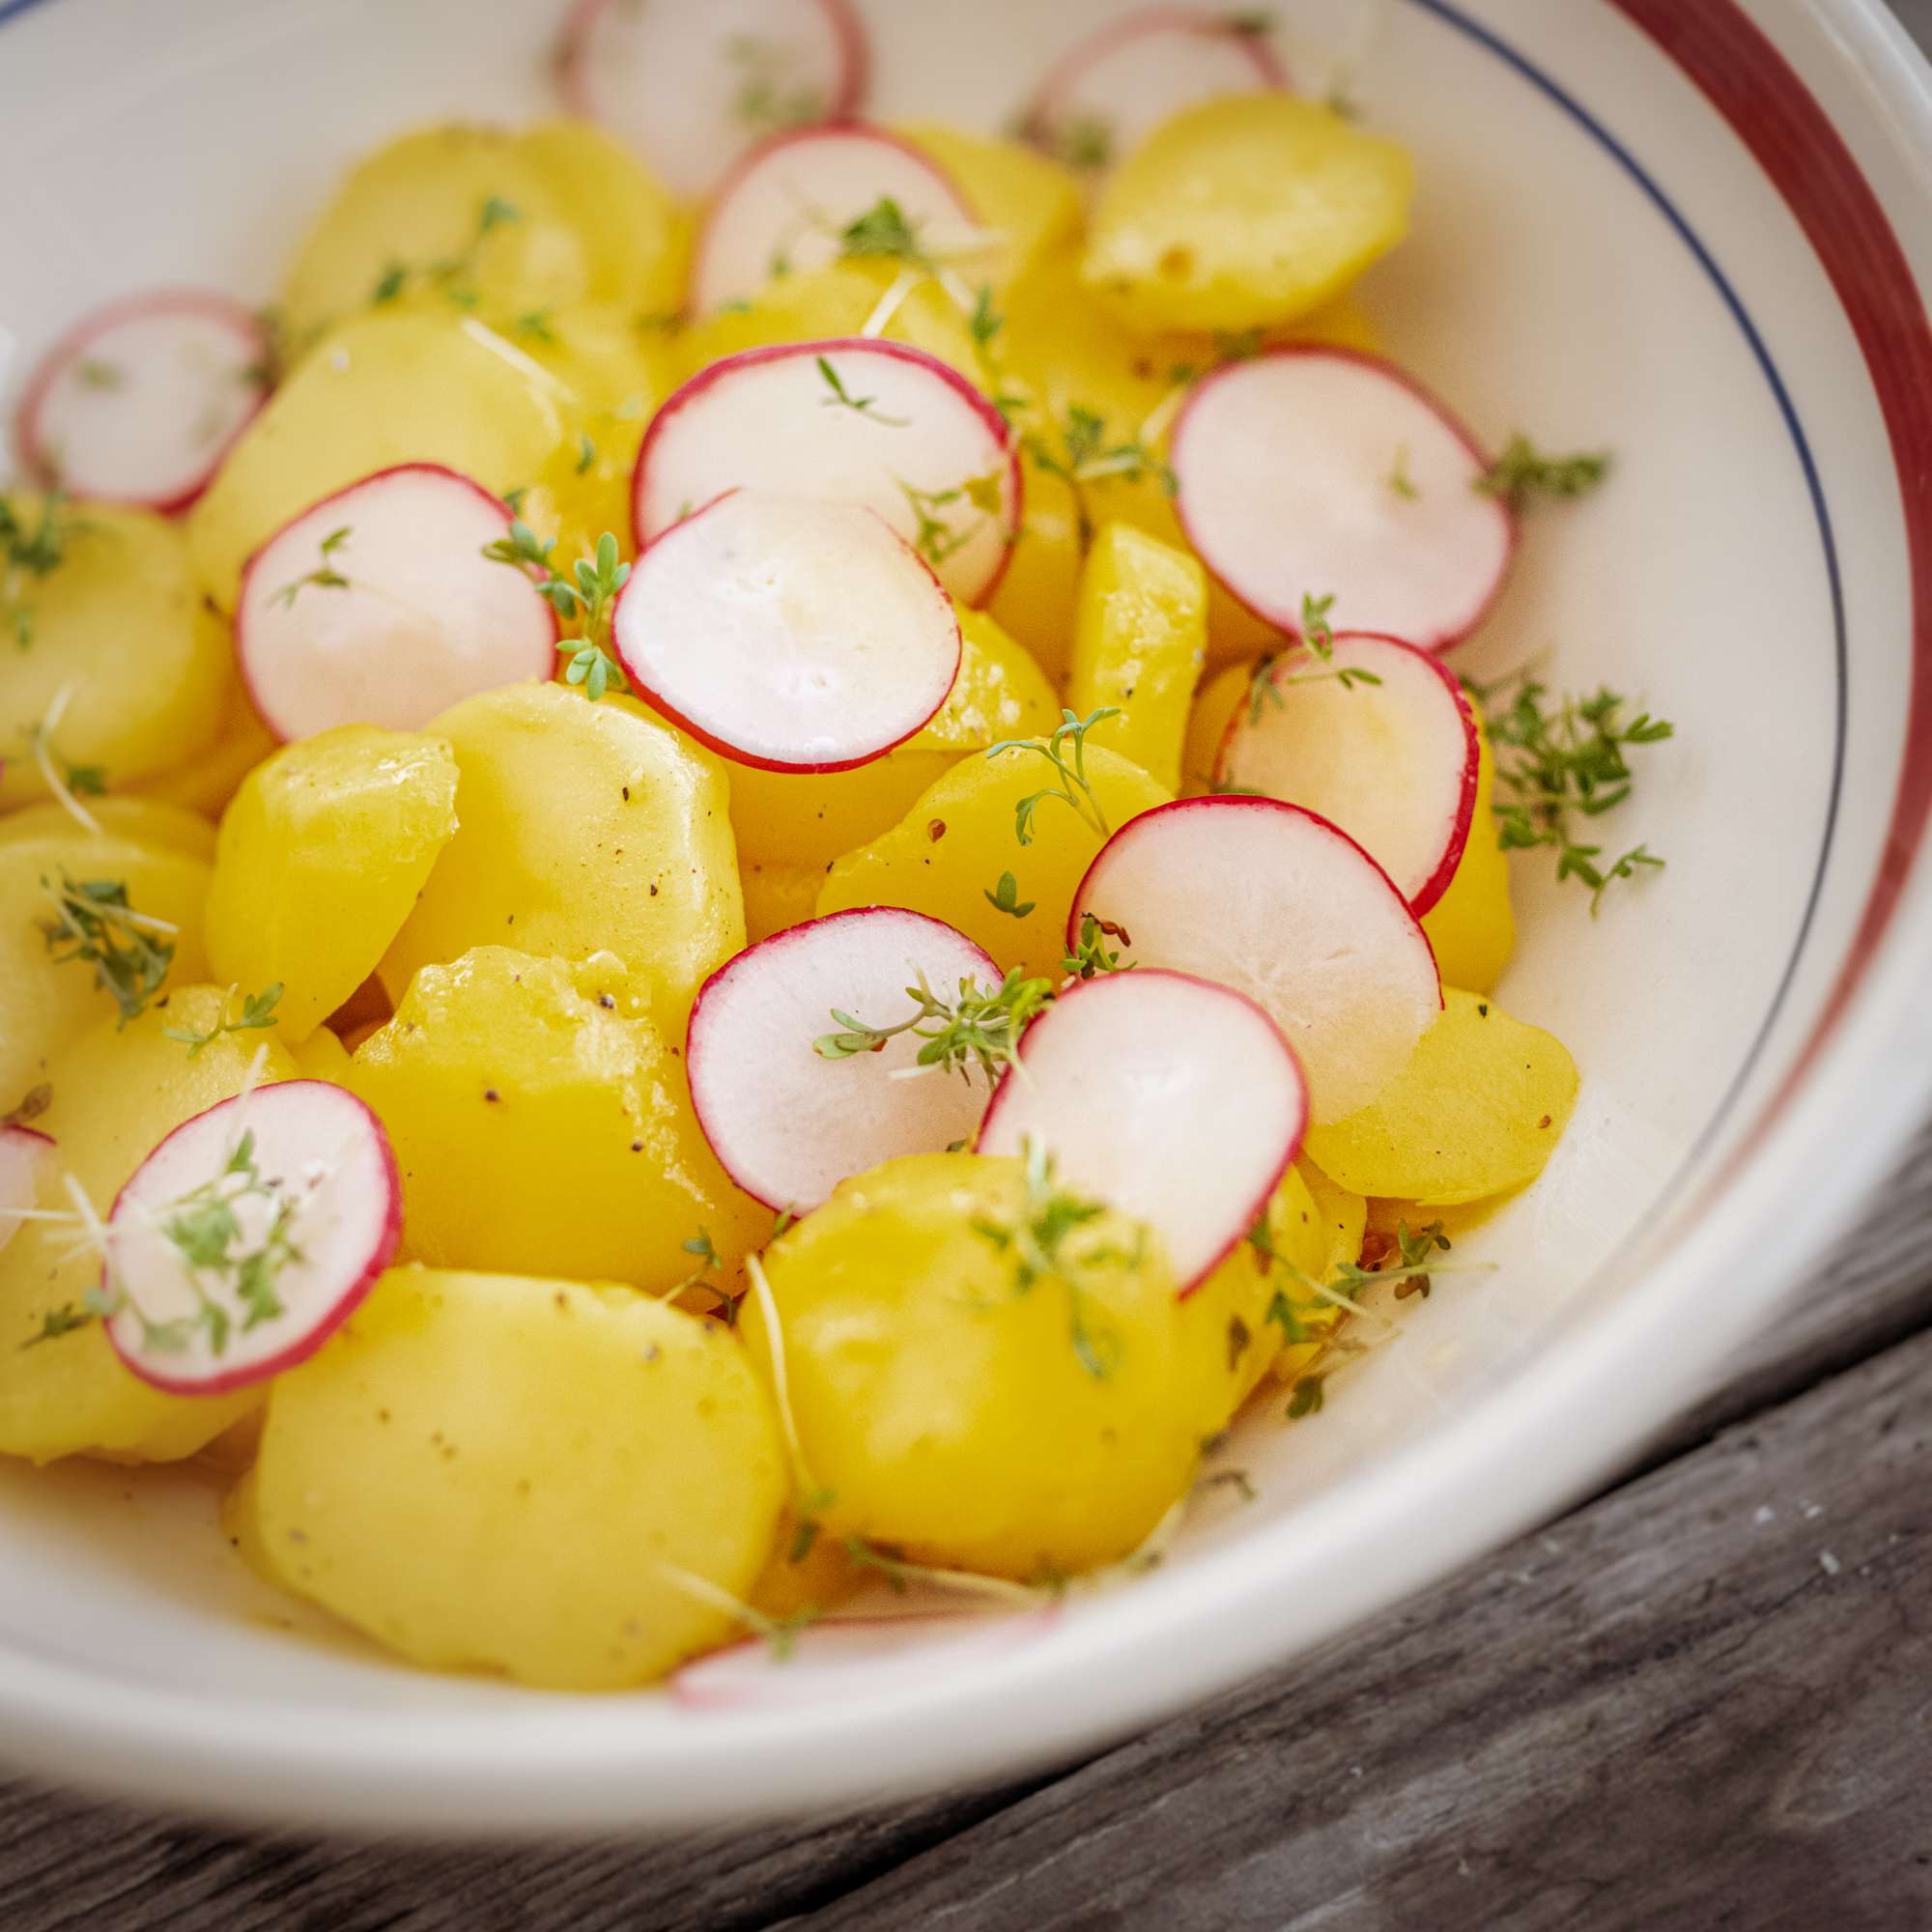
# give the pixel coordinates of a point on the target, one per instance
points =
(1523, 471)
(258, 1013)
(981, 1028)
(1006, 897)
(36, 551)
(588, 600)
(1073, 788)
(1317, 638)
(763, 104)
(455, 274)
(933, 537)
(131, 952)
(842, 398)
(1084, 455)
(68, 781)
(1091, 956)
(325, 576)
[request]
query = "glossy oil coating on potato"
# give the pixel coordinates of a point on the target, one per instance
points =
(545, 1091)
(322, 853)
(115, 1093)
(960, 1413)
(494, 1472)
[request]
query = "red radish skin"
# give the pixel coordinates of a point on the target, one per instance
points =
(181, 373)
(791, 195)
(1286, 467)
(1168, 1097)
(1138, 71)
(26, 1157)
(767, 419)
(294, 1121)
(789, 1125)
(326, 658)
(789, 635)
(1352, 752)
(696, 155)
(1273, 900)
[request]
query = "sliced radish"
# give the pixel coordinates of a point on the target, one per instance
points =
(1106, 96)
(692, 90)
(847, 421)
(1317, 471)
(1393, 763)
(1279, 904)
(377, 606)
(304, 1176)
(790, 1125)
(786, 206)
(787, 633)
(139, 401)
(1172, 1099)
(26, 1159)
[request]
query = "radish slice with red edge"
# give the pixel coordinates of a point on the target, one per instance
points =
(377, 606)
(1393, 763)
(787, 205)
(1280, 905)
(249, 1235)
(847, 421)
(690, 90)
(794, 636)
(26, 1159)
(787, 1125)
(1109, 93)
(1172, 1099)
(1316, 471)
(139, 401)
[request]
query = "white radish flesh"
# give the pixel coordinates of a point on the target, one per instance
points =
(417, 619)
(1314, 471)
(1275, 902)
(305, 1171)
(1174, 1099)
(139, 402)
(847, 421)
(787, 1125)
(691, 89)
(785, 634)
(1393, 763)
(786, 206)
(1108, 94)
(26, 1159)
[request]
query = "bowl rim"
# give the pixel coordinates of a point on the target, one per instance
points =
(1864, 1080)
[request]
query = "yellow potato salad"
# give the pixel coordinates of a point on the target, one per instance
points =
(739, 876)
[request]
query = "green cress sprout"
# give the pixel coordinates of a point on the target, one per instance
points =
(1523, 471)
(29, 550)
(93, 922)
(257, 1013)
(1066, 751)
(584, 598)
(981, 1027)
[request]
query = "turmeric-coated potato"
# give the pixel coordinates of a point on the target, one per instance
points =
(946, 857)
(47, 998)
(140, 821)
(322, 856)
(1245, 212)
(501, 1473)
(541, 1121)
(1473, 926)
(1138, 647)
(778, 896)
(955, 1404)
(211, 778)
(115, 1095)
(1478, 1110)
(582, 827)
(115, 634)
(811, 818)
(321, 1055)
(390, 385)
(1032, 204)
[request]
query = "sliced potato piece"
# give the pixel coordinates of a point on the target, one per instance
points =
(494, 1472)
(1478, 1110)
(1032, 204)
(139, 821)
(208, 782)
(323, 854)
(1473, 926)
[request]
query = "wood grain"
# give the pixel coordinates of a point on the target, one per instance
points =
(1663, 1689)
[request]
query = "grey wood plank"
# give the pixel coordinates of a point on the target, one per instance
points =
(136, 1871)
(1704, 1702)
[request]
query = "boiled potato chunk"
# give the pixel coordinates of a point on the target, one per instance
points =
(116, 1094)
(47, 1002)
(1220, 697)
(1478, 1110)
(811, 818)
(1473, 926)
(1138, 647)
(119, 626)
(954, 1410)
(493, 1472)
(140, 821)
(321, 1055)
(208, 782)
(778, 896)
(581, 826)
(1035, 598)
(1032, 204)
(322, 856)
(947, 856)
(392, 386)
(1245, 212)
(540, 1120)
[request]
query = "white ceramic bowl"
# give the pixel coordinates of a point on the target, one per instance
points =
(1697, 233)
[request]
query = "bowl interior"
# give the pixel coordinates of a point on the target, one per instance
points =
(1598, 260)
